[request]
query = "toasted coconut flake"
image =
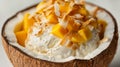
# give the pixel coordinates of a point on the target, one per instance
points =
(67, 0)
(48, 12)
(37, 18)
(77, 1)
(63, 23)
(43, 18)
(77, 21)
(57, 10)
(48, 8)
(82, 2)
(75, 46)
(88, 22)
(95, 11)
(41, 7)
(78, 16)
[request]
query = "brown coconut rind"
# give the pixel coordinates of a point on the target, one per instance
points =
(21, 59)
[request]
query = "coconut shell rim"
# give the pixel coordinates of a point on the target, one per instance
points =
(115, 36)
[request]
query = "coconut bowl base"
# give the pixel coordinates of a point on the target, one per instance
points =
(20, 59)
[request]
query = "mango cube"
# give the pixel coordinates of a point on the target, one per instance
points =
(73, 26)
(85, 33)
(22, 28)
(21, 36)
(39, 5)
(19, 27)
(77, 38)
(70, 27)
(83, 11)
(59, 31)
(64, 7)
(28, 22)
(52, 19)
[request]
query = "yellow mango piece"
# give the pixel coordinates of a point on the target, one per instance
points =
(83, 11)
(70, 24)
(28, 22)
(64, 8)
(70, 27)
(59, 31)
(77, 38)
(39, 6)
(18, 27)
(21, 36)
(85, 33)
(73, 26)
(52, 19)
(102, 26)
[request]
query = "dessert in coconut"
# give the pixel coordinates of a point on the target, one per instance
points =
(61, 33)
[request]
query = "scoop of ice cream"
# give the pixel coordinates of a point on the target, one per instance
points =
(49, 45)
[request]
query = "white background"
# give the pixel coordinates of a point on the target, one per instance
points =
(10, 7)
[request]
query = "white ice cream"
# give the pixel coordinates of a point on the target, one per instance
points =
(49, 45)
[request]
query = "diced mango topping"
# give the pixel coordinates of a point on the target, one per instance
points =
(73, 26)
(85, 33)
(102, 26)
(21, 36)
(38, 7)
(28, 22)
(83, 11)
(59, 31)
(18, 27)
(77, 38)
(52, 18)
(64, 7)
(82, 36)
(40, 4)
(70, 25)
(22, 28)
